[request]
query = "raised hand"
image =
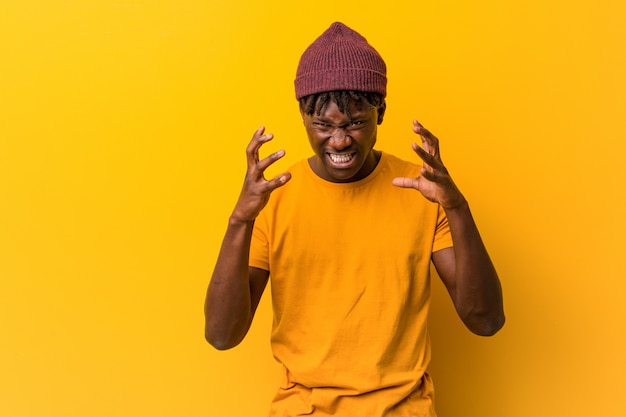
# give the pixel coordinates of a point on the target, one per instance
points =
(434, 182)
(256, 189)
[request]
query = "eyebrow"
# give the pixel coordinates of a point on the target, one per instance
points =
(355, 118)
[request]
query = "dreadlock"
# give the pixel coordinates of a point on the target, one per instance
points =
(315, 103)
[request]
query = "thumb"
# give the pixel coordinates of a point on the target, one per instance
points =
(404, 182)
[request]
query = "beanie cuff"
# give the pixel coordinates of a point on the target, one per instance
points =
(355, 79)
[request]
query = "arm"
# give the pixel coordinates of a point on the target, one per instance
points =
(235, 288)
(466, 269)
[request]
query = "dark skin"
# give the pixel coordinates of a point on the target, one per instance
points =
(235, 289)
(465, 269)
(343, 145)
(344, 152)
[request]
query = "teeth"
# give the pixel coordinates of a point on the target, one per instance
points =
(340, 158)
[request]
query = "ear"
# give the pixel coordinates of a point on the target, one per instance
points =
(381, 112)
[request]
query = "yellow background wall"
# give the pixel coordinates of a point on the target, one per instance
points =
(123, 126)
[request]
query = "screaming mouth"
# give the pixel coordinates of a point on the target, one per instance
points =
(341, 158)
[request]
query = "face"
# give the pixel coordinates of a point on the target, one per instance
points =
(343, 146)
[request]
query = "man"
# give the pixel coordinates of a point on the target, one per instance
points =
(347, 238)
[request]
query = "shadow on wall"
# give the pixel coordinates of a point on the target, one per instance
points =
(467, 369)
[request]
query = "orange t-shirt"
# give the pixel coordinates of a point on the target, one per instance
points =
(349, 267)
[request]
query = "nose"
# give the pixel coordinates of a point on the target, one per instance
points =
(339, 138)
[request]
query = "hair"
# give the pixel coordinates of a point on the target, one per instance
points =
(315, 103)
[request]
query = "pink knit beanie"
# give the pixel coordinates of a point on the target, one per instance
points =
(340, 59)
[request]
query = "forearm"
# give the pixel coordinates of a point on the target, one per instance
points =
(228, 302)
(477, 292)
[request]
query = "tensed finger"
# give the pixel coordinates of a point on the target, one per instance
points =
(277, 181)
(430, 160)
(264, 163)
(258, 139)
(429, 141)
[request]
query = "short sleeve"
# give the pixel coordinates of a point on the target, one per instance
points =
(259, 245)
(443, 237)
